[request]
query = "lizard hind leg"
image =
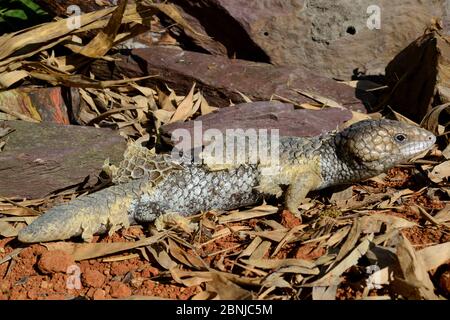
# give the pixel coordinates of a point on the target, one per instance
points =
(301, 184)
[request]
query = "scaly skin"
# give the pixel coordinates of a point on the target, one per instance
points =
(151, 185)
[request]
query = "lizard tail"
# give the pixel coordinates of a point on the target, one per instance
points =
(95, 213)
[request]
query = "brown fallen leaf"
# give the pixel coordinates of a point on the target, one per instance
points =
(162, 257)
(184, 110)
(7, 230)
(324, 293)
(226, 289)
(415, 279)
(440, 172)
(434, 256)
(262, 250)
(333, 276)
(372, 223)
(350, 242)
(104, 40)
(260, 211)
(303, 266)
(84, 251)
(275, 280)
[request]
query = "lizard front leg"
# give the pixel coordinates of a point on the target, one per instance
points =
(302, 183)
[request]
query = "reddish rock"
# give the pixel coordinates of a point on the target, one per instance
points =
(289, 220)
(55, 261)
(119, 290)
(40, 158)
(99, 294)
(150, 272)
(93, 278)
(120, 268)
(27, 253)
(55, 296)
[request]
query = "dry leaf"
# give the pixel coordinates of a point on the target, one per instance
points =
(332, 277)
(372, 223)
(440, 172)
(303, 266)
(104, 40)
(324, 293)
(162, 257)
(205, 108)
(434, 256)
(415, 275)
(7, 230)
(275, 280)
(9, 78)
(227, 289)
(83, 251)
(260, 211)
(351, 241)
(262, 250)
(325, 101)
(185, 108)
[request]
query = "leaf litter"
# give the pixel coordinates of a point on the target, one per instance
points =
(386, 222)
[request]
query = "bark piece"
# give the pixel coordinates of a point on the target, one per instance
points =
(41, 158)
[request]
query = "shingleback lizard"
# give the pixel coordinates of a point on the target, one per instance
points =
(149, 185)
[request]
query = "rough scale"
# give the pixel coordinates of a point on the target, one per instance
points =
(149, 185)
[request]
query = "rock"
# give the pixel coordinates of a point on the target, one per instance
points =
(119, 290)
(93, 278)
(120, 268)
(54, 261)
(289, 220)
(330, 37)
(266, 115)
(99, 294)
(221, 79)
(149, 272)
(40, 104)
(39, 159)
(418, 77)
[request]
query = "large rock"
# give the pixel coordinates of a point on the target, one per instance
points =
(39, 159)
(327, 36)
(419, 76)
(223, 80)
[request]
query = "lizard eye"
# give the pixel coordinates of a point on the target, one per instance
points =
(400, 137)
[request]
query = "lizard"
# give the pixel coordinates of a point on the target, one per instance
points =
(148, 185)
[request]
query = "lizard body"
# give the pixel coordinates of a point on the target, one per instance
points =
(149, 185)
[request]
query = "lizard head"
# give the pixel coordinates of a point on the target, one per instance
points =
(381, 144)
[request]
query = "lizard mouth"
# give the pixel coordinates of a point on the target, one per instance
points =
(417, 147)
